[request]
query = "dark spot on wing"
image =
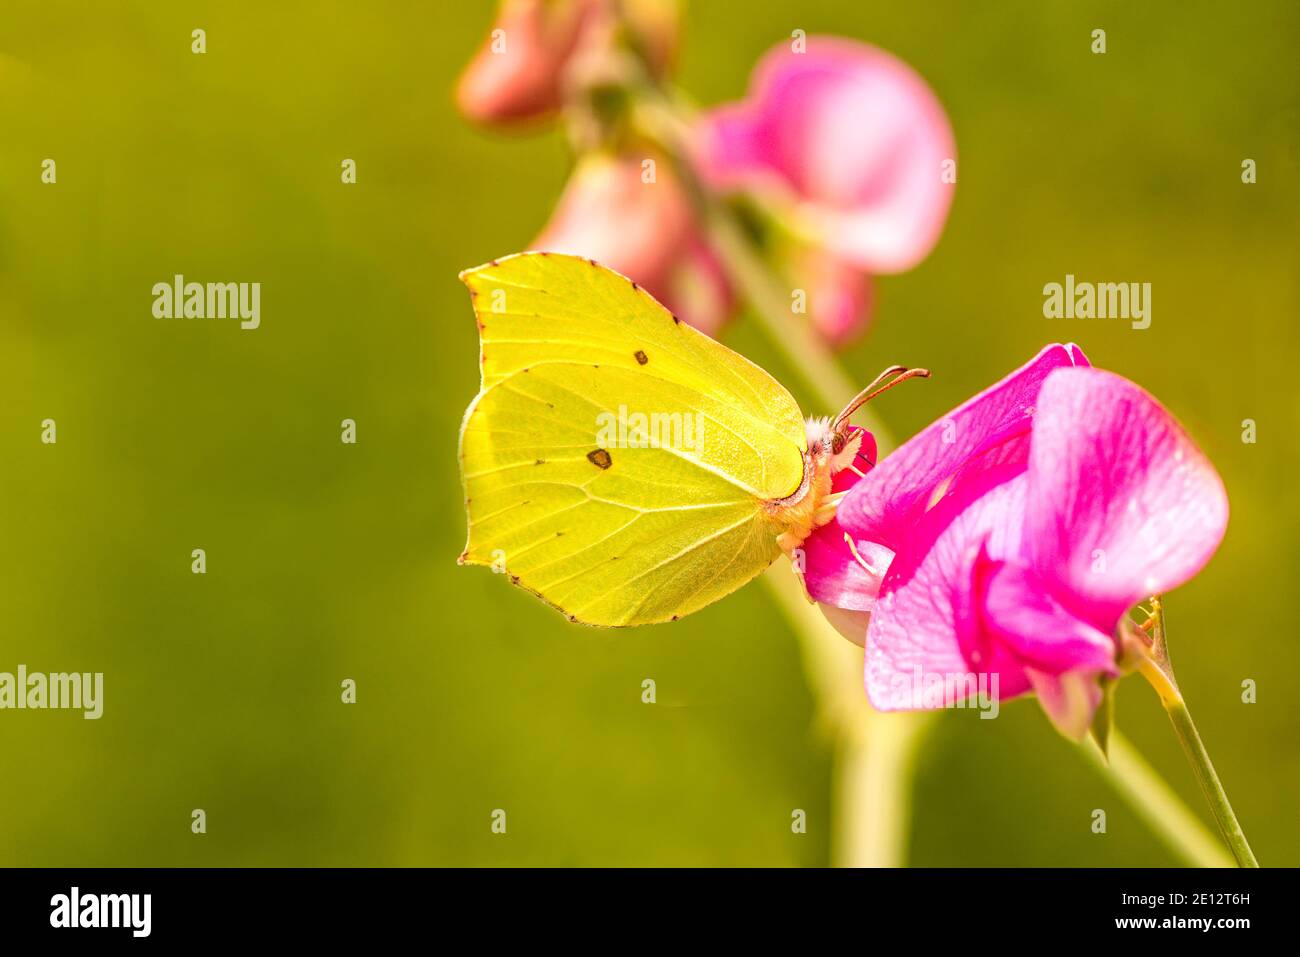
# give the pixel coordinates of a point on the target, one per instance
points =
(599, 458)
(635, 286)
(674, 618)
(676, 320)
(514, 579)
(641, 357)
(540, 462)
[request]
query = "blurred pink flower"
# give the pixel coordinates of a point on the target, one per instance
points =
(839, 296)
(1019, 529)
(853, 137)
(645, 230)
(853, 144)
(524, 66)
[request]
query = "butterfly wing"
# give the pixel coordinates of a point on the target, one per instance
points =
(617, 462)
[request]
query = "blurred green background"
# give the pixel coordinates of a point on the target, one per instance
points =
(328, 561)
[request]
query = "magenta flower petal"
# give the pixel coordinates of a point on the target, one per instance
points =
(1122, 504)
(854, 136)
(886, 505)
(927, 617)
(1018, 610)
(832, 573)
(1023, 526)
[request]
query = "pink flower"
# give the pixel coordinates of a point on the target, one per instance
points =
(1022, 527)
(839, 296)
(853, 144)
(526, 64)
(645, 230)
(853, 137)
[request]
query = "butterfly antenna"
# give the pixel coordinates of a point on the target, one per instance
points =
(881, 383)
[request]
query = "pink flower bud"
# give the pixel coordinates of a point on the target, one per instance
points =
(632, 215)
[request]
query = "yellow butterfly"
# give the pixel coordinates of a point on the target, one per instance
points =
(620, 464)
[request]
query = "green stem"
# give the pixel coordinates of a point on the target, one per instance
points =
(1154, 664)
(666, 123)
(1210, 784)
(875, 770)
(812, 359)
(1155, 802)
(874, 753)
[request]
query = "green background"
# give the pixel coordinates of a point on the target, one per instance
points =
(328, 561)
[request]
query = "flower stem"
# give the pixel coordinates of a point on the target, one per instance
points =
(813, 360)
(665, 122)
(1155, 666)
(874, 753)
(1155, 802)
(875, 769)
(1210, 784)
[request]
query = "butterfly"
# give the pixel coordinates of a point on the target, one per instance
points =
(621, 465)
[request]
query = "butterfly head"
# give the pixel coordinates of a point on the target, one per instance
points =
(833, 445)
(830, 448)
(834, 441)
